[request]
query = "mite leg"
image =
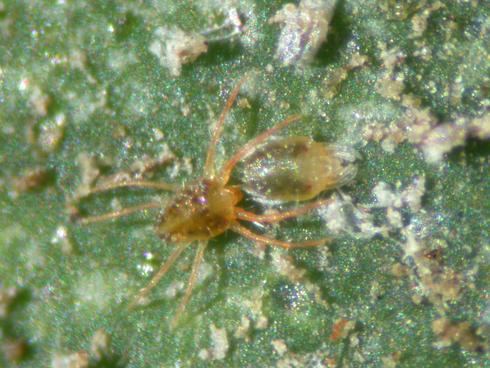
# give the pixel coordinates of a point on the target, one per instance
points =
(251, 145)
(276, 217)
(158, 276)
(190, 283)
(131, 183)
(209, 169)
(120, 213)
(275, 242)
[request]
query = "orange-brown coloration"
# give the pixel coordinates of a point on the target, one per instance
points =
(339, 329)
(434, 255)
(200, 212)
(205, 209)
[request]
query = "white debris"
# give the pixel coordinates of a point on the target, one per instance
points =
(220, 342)
(413, 193)
(220, 345)
(394, 200)
(480, 127)
(76, 360)
(174, 288)
(411, 247)
(445, 137)
(255, 306)
(89, 171)
(51, 133)
(391, 57)
(304, 29)
(174, 47)
(342, 216)
(205, 271)
(39, 101)
(420, 20)
(394, 217)
(61, 238)
(385, 197)
(158, 134)
(334, 216)
(279, 346)
(100, 345)
(442, 139)
(243, 329)
(285, 266)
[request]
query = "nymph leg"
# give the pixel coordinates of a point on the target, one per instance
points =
(119, 213)
(131, 183)
(275, 242)
(191, 282)
(276, 217)
(158, 276)
(209, 169)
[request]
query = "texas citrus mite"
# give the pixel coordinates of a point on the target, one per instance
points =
(272, 169)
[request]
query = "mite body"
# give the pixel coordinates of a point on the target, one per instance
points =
(273, 170)
(200, 212)
(295, 169)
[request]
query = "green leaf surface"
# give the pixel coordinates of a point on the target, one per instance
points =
(82, 97)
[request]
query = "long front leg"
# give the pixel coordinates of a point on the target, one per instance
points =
(191, 282)
(158, 276)
(209, 167)
(275, 242)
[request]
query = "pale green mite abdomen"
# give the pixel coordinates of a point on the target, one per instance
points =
(295, 169)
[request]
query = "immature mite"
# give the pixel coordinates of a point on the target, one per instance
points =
(295, 169)
(280, 170)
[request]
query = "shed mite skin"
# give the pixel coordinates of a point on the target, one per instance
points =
(202, 210)
(304, 29)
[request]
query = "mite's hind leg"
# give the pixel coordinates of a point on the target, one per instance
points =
(158, 276)
(190, 283)
(117, 214)
(251, 145)
(275, 242)
(276, 217)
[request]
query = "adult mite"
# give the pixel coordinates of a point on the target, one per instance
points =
(275, 170)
